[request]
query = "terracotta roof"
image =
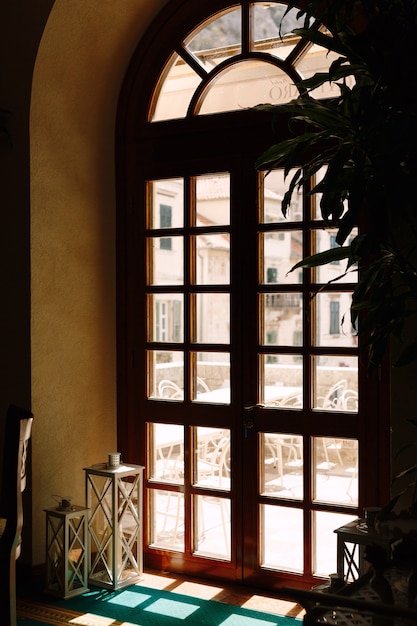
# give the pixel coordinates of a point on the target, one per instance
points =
(213, 187)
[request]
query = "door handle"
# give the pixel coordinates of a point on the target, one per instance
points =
(250, 407)
(248, 421)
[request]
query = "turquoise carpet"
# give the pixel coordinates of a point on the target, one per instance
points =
(142, 606)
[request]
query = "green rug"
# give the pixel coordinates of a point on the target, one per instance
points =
(142, 606)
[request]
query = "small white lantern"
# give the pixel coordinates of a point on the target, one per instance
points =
(66, 550)
(114, 500)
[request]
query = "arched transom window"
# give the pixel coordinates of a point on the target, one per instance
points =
(238, 58)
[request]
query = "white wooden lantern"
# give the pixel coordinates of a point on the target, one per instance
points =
(114, 500)
(66, 550)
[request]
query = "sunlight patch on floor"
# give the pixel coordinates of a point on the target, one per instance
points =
(205, 592)
(89, 619)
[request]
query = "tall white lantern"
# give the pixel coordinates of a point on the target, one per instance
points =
(114, 500)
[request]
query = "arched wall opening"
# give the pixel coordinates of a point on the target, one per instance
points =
(81, 62)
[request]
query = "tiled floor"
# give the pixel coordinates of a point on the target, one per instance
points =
(231, 594)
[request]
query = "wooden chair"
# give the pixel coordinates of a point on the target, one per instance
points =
(16, 438)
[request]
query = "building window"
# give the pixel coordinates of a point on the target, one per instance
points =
(177, 320)
(271, 336)
(334, 318)
(272, 275)
(165, 221)
(297, 338)
(168, 320)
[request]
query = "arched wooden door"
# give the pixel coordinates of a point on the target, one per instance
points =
(240, 384)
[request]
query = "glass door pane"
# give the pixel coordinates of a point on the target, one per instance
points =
(166, 465)
(212, 511)
(335, 470)
(188, 356)
(282, 538)
(308, 384)
(306, 362)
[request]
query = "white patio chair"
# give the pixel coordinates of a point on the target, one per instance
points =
(285, 452)
(169, 389)
(331, 401)
(349, 400)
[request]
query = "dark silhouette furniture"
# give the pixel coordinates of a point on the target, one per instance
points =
(16, 438)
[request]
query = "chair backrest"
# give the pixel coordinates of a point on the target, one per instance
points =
(214, 462)
(16, 438)
(332, 398)
(294, 400)
(169, 389)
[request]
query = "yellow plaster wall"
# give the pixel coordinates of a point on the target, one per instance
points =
(83, 56)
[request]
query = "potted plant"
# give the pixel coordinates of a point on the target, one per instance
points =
(366, 141)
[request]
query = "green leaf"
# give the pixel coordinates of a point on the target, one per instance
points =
(407, 472)
(405, 447)
(331, 44)
(286, 202)
(293, 153)
(328, 118)
(323, 258)
(284, 150)
(337, 72)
